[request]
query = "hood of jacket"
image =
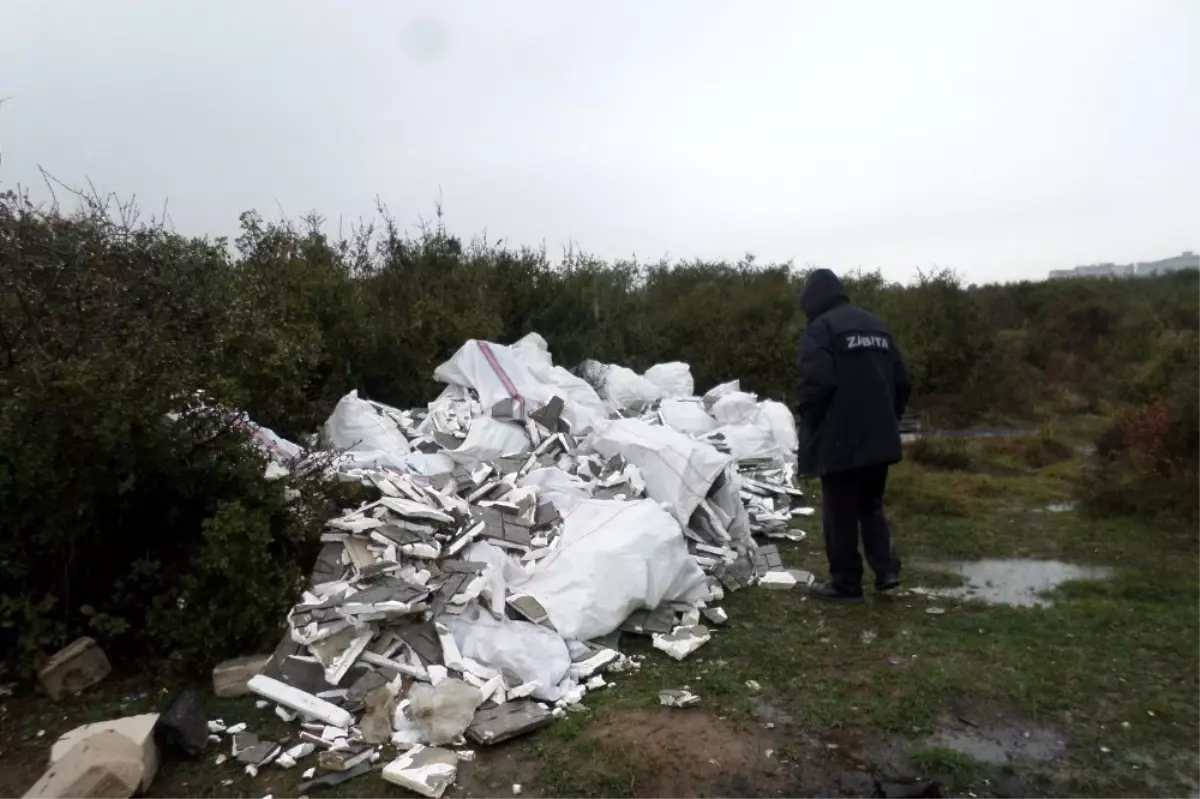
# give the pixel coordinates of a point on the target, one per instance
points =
(822, 291)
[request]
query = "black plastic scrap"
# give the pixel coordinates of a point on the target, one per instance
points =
(908, 789)
(182, 727)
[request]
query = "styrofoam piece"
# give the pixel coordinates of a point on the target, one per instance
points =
(683, 641)
(426, 770)
(298, 700)
(450, 654)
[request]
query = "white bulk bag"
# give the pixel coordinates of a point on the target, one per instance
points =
(358, 426)
(675, 378)
(488, 439)
(783, 427)
(737, 407)
(496, 373)
(614, 557)
(677, 469)
(687, 416)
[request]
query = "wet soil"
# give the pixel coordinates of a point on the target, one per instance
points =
(674, 752)
(1019, 582)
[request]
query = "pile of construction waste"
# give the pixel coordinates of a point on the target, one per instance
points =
(525, 519)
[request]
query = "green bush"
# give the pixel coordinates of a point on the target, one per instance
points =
(108, 509)
(163, 540)
(1147, 461)
(940, 452)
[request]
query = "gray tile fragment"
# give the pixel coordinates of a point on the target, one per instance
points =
(548, 415)
(359, 689)
(648, 622)
(767, 559)
(423, 639)
(503, 722)
(307, 675)
(255, 755)
(528, 608)
(333, 778)
(546, 515)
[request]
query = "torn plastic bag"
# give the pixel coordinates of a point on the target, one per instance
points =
(718, 391)
(274, 446)
(783, 427)
(675, 379)
(503, 571)
(614, 557)
(626, 389)
(426, 463)
(488, 439)
(496, 373)
(750, 441)
(277, 448)
(583, 406)
(687, 416)
(533, 349)
(561, 489)
(737, 407)
(529, 651)
(357, 425)
(443, 712)
(677, 469)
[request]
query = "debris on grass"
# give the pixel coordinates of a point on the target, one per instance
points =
(481, 589)
(76, 667)
(677, 698)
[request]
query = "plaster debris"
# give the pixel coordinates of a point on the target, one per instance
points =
(678, 698)
(75, 668)
(426, 770)
(229, 677)
(513, 529)
(510, 720)
(683, 641)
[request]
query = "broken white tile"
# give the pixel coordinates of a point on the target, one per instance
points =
(301, 701)
(423, 769)
(524, 690)
(309, 773)
(683, 641)
(586, 668)
(239, 727)
(216, 725)
(777, 579)
(677, 698)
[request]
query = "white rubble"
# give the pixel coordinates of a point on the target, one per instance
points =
(524, 518)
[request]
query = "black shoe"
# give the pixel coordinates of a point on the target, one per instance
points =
(887, 582)
(828, 593)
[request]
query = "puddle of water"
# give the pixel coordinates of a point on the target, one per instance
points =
(765, 711)
(1013, 581)
(1000, 744)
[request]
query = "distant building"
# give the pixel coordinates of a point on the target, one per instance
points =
(1188, 260)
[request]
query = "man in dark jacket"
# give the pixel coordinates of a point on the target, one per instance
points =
(854, 388)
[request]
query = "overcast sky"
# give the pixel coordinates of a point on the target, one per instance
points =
(1002, 139)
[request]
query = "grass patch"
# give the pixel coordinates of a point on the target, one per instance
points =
(1113, 664)
(942, 760)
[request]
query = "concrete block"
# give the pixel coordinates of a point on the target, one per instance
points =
(230, 677)
(80, 665)
(106, 765)
(138, 729)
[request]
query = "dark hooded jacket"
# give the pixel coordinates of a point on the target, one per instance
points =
(853, 383)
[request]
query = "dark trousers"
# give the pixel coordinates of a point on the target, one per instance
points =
(852, 502)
